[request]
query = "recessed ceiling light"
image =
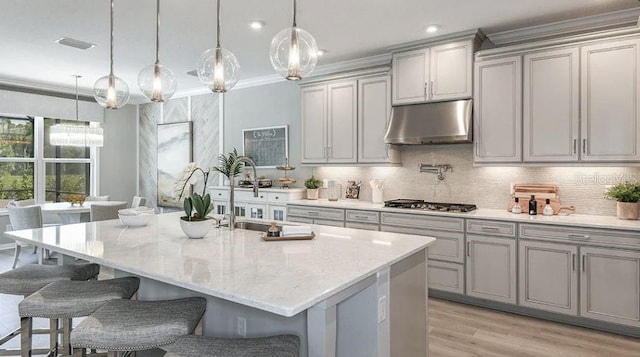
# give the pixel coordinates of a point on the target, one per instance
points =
(256, 25)
(72, 42)
(321, 52)
(432, 28)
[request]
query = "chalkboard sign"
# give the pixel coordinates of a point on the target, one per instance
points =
(268, 147)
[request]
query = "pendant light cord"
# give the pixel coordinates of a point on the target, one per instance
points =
(111, 40)
(157, 31)
(294, 12)
(218, 33)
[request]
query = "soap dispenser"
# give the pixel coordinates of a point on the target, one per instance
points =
(516, 209)
(533, 206)
(547, 210)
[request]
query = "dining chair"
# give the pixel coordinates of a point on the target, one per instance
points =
(97, 198)
(22, 203)
(104, 212)
(28, 217)
(138, 201)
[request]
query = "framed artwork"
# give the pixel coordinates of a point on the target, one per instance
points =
(174, 153)
(268, 147)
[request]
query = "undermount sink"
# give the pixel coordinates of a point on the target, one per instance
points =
(252, 226)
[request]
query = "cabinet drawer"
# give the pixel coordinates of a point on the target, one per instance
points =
(362, 216)
(446, 276)
(365, 226)
(328, 222)
(247, 196)
(275, 197)
(300, 220)
(217, 195)
(505, 229)
(587, 236)
(316, 213)
(422, 221)
(449, 246)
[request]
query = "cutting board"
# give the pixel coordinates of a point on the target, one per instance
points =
(541, 191)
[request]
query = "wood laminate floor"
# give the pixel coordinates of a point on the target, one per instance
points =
(458, 330)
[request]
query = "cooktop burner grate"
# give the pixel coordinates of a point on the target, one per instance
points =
(430, 206)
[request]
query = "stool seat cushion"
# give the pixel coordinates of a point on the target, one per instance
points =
(68, 299)
(198, 346)
(26, 280)
(133, 325)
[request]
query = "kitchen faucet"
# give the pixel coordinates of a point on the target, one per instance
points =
(234, 165)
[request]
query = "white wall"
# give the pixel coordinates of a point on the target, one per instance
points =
(118, 156)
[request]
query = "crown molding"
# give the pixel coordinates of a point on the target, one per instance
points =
(476, 34)
(608, 20)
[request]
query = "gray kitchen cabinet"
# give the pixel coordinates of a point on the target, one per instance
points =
(446, 276)
(548, 276)
(498, 110)
(610, 285)
(374, 110)
(314, 124)
(610, 93)
(491, 268)
(315, 215)
(329, 123)
(442, 72)
(551, 113)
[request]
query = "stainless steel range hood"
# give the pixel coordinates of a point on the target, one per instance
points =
(431, 123)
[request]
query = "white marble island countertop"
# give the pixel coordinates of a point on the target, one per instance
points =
(580, 220)
(284, 277)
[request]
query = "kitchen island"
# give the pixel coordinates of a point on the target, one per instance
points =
(347, 292)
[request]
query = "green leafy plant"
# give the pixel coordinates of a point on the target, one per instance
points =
(313, 183)
(225, 164)
(201, 205)
(624, 192)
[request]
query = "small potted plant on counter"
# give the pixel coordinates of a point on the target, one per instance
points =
(195, 223)
(312, 184)
(627, 195)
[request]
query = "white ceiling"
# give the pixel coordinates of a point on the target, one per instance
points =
(346, 28)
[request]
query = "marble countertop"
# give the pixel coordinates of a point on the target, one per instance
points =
(284, 278)
(261, 189)
(582, 220)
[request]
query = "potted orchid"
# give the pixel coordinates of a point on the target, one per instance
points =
(195, 223)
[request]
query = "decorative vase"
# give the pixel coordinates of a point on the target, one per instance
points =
(312, 193)
(196, 229)
(628, 210)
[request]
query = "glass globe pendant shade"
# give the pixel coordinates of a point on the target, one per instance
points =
(111, 92)
(293, 53)
(218, 69)
(157, 82)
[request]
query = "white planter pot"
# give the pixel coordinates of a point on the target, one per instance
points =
(196, 229)
(628, 210)
(312, 193)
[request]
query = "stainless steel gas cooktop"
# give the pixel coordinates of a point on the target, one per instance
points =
(429, 206)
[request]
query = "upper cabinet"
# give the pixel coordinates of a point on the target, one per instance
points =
(610, 94)
(344, 121)
(498, 110)
(442, 72)
(580, 103)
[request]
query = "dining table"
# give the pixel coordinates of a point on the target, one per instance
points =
(74, 213)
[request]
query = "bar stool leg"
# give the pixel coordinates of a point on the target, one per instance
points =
(112, 354)
(53, 336)
(66, 337)
(26, 328)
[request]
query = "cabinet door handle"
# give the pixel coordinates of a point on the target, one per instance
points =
(426, 88)
(573, 261)
(584, 263)
(431, 87)
(584, 146)
(579, 236)
(361, 217)
(312, 213)
(489, 228)
(468, 249)
(575, 143)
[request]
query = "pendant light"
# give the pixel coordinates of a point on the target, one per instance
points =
(76, 134)
(293, 52)
(218, 68)
(110, 91)
(156, 81)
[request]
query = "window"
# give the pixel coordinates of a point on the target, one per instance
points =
(30, 167)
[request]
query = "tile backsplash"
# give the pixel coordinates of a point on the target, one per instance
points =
(486, 186)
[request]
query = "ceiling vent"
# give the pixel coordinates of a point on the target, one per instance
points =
(72, 42)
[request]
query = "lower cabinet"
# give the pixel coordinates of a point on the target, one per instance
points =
(446, 276)
(312, 215)
(548, 276)
(610, 285)
(491, 268)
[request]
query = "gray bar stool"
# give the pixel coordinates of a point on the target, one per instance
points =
(68, 299)
(26, 280)
(134, 325)
(272, 346)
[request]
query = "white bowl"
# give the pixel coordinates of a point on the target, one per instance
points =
(135, 221)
